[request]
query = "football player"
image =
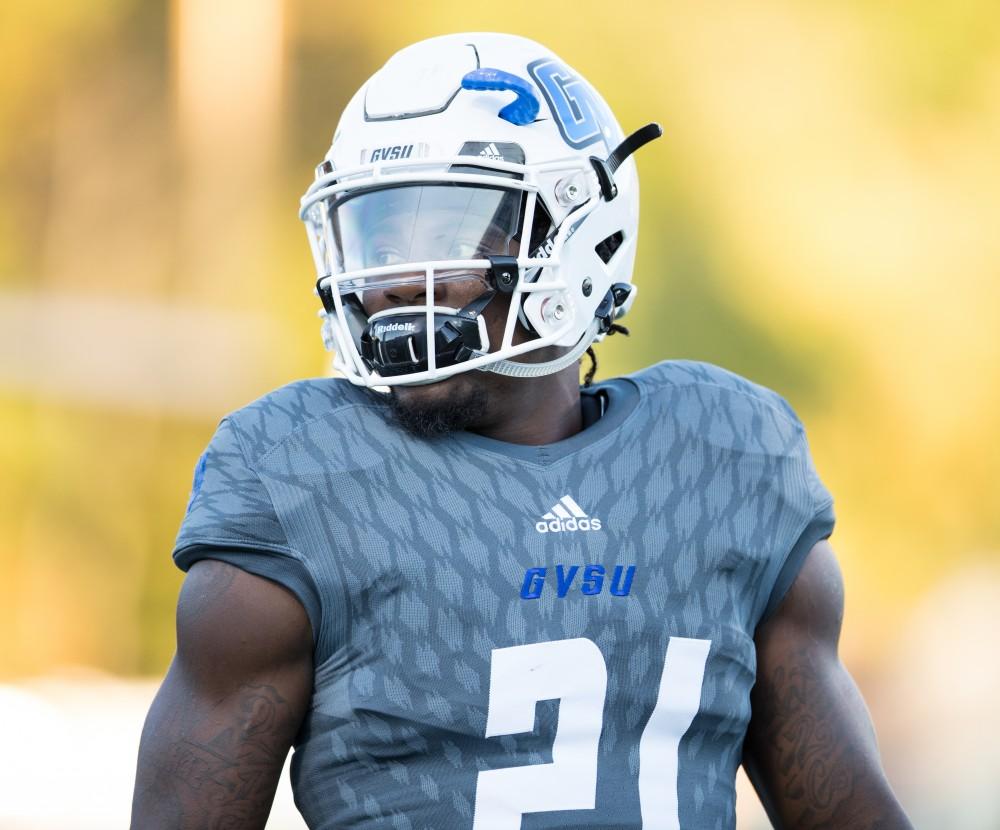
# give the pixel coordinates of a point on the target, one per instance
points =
(469, 593)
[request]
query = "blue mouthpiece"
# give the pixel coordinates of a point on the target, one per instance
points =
(522, 110)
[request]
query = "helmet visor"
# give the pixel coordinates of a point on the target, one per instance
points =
(425, 223)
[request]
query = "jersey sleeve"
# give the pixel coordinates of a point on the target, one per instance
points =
(231, 518)
(814, 505)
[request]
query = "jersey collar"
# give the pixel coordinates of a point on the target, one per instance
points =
(622, 396)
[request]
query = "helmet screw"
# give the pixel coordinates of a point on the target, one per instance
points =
(568, 191)
(505, 278)
(559, 311)
(587, 287)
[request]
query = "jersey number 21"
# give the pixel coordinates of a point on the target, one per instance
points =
(574, 671)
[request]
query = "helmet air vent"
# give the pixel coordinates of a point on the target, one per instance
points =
(606, 247)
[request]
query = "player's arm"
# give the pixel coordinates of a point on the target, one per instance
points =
(222, 723)
(810, 750)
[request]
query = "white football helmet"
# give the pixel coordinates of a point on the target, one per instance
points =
(472, 166)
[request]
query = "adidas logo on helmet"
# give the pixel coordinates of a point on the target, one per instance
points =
(491, 151)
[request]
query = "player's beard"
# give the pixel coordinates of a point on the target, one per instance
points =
(438, 409)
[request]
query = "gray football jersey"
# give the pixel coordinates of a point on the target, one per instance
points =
(515, 636)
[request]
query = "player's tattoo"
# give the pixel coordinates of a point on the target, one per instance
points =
(820, 771)
(791, 721)
(222, 776)
(215, 580)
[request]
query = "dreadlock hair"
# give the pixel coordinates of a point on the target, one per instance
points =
(588, 378)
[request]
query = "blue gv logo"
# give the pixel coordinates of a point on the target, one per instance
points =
(591, 582)
(578, 113)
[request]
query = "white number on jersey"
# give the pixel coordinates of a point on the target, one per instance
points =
(520, 676)
(574, 671)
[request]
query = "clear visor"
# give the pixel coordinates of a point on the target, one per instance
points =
(424, 223)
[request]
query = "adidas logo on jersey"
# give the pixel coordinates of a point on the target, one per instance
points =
(491, 152)
(566, 516)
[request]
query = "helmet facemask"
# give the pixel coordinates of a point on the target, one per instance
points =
(414, 261)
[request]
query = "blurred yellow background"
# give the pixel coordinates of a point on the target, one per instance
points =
(822, 216)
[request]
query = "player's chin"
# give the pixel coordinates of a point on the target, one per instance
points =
(436, 409)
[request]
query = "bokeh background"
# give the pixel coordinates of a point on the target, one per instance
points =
(822, 216)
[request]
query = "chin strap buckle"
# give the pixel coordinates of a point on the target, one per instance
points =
(613, 306)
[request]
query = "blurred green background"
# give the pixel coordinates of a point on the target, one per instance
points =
(821, 216)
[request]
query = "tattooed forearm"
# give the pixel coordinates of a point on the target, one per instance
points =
(809, 755)
(812, 733)
(219, 771)
(810, 749)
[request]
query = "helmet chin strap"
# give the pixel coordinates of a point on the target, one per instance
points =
(513, 369)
